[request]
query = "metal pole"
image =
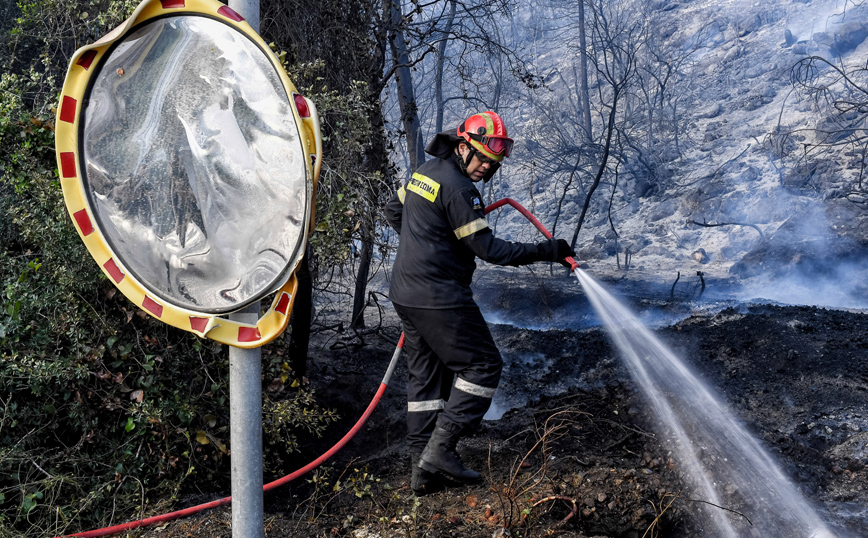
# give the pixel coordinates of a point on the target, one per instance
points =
(245, 433)
(245, 398)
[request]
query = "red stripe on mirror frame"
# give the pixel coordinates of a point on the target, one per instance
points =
(67, 109)
(282, 304)
(248, 334)
(67, 164)
(113, 270)
(230, 13)
(301, 105)
(172, 4)
(87, 59)
(152, 306)
(198, 324)
(83, 221)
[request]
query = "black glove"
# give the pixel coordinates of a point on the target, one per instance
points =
(555, 250)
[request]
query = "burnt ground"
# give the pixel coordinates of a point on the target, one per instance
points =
(580, 459)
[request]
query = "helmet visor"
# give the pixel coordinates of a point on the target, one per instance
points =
(499, 146)
(496, 145)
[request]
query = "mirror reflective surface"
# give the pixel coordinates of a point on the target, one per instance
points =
(193, 164)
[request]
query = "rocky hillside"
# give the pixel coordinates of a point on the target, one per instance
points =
(756, 155)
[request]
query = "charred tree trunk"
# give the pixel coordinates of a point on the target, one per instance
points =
(360, 292)
(583, 75)
(375, 162)
(441, 59)
(404, 82)
(610, 129)
(672, 291)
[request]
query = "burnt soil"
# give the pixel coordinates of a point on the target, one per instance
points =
(582, 460)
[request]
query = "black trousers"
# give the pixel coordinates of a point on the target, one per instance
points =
(454, 369)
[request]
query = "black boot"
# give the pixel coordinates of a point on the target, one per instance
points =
(440, 456)
(422, 482)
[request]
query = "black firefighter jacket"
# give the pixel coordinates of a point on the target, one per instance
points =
(441, 220)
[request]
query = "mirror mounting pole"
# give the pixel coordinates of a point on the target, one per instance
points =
(245, 398)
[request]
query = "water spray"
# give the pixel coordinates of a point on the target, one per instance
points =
(720, 460)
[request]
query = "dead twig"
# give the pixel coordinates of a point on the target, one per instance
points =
(618, 442)
(672, 291)
(716, 224)
(652, 528)
(723, 508)
(628, 428)
(512, 494)
(573, 511)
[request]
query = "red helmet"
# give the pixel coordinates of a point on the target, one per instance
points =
(486, 133)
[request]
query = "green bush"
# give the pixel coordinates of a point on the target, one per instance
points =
(105, 413)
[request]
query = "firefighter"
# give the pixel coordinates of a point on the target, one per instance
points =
(453, 362)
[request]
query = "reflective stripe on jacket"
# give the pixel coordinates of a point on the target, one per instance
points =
(443, 229)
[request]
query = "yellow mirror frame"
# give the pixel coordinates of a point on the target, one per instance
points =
(82, 66)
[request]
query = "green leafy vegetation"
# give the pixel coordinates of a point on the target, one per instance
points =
(105, 413)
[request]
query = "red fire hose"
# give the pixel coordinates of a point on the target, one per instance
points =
(330, 452)
(533, 220)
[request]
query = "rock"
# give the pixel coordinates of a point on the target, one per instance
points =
(635, 243)
(592, 252)
(749, 174)
(700, 256)
(748, 24)
(663, 210)
(755, 101)
(642, 188)
(756, 71)
(848, 36)
(365, 533)
(732, 54)
(789, 38)
(711, 111)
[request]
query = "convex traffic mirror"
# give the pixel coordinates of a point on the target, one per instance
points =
(189, 163)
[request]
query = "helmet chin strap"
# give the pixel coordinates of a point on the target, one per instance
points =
(470, 155)
(464, 163)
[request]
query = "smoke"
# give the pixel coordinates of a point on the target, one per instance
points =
(840, 286)
(816, 257)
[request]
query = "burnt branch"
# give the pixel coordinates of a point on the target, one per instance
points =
(722, 508)
(716, 224)
(672, 291)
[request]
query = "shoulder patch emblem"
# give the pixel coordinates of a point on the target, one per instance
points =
(424, 186)
(477, 203)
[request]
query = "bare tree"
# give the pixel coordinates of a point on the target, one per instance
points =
(663, 85)
(616, 39)
(840, 94)
(404, 82)
(584, 93)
